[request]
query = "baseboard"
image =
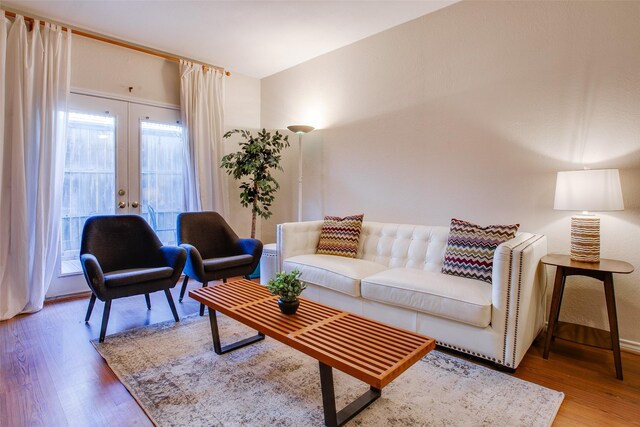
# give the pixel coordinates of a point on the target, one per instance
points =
(72, 295)
(625, 345)
(630, 346)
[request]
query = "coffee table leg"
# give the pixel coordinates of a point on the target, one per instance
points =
(333, 418)
(213, 321)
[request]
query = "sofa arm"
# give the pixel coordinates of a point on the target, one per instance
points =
(94, 275)
(193, 267)
(518, 288)
(174, 257)
(296, 238)
(251, 247)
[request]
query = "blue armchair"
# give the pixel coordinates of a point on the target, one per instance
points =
(214, 250)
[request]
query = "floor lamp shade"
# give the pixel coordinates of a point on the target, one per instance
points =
(587, 191)
(300, 130)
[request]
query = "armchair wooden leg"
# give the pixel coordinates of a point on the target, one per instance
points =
(92, 302)
(204, 285)
(146, 297)
(184, 287)
(167, 292)
(105, 319)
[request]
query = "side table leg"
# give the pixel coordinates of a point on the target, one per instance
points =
(564, 281)
(554, 313)
(613, 322)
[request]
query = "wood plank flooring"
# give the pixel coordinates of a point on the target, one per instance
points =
(50, 374)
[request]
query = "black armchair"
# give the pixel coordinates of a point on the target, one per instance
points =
(214, 250)
(121, 256)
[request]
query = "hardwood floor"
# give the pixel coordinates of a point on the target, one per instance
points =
(587, 377)
(51, 375)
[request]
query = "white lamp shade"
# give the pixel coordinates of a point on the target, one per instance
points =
(589, 190)
(300, 129)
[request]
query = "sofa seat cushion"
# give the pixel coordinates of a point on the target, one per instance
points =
(131, 276)
(457, 298)
(334, 272)
(217, 264)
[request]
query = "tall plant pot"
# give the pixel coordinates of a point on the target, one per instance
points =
(288, 307)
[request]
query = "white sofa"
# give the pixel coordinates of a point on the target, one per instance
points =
(396, 279)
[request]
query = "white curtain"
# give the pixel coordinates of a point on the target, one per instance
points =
(201, 102)
(34, 87)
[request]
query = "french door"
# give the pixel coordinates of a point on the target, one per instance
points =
(156, 168)
(121, 158)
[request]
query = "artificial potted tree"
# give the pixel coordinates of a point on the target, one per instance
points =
(288, 287)
(252, 164)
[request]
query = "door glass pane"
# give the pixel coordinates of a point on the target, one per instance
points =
(161, 177)
(89, 179)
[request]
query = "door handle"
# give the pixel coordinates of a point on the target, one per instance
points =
(135, 204)
(122, 205)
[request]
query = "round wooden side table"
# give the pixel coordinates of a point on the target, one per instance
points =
(603, 271)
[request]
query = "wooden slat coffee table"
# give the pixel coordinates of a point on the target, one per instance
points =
(365, 349)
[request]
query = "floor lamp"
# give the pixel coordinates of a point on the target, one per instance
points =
(300, 130)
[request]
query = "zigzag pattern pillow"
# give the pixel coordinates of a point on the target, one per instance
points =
(470, 248)
(340, 236)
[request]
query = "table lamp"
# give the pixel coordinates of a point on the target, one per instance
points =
(587, 190)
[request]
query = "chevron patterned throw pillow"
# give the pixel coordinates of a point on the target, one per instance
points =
(470, 248)
(340, 236)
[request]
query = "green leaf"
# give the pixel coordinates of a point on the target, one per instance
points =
(256, 157)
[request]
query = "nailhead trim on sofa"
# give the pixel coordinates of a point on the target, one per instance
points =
(473, 353)
(515, 335)
(526, 244)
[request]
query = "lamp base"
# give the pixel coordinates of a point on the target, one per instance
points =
(585, 238)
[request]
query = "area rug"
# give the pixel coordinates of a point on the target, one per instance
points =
(171, 370)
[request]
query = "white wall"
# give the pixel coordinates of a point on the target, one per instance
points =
(102, 67)
(242, 111)
(469, 113)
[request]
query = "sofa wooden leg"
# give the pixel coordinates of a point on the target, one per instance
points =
(204, 285)
(184, 287)
(92, 302)
(146, 297)
(172, 306)
(503, 368)
(105, 319)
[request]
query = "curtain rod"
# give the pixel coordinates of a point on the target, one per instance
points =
(105, 39)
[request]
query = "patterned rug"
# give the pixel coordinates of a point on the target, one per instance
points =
(173, 373)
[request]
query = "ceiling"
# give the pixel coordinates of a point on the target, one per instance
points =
(255, 38)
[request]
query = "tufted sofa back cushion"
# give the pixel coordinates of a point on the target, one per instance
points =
(403, 245)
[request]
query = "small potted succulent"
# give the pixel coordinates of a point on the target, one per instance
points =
(288, 287)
